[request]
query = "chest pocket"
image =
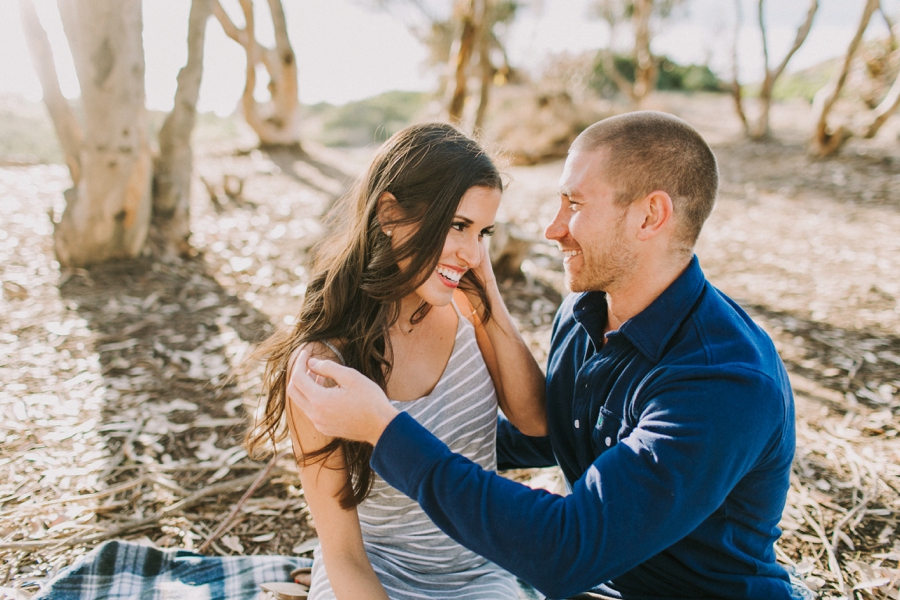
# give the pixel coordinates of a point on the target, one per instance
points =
(606, 431)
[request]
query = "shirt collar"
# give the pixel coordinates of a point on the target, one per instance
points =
(651, 329)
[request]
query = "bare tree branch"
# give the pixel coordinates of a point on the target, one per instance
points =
(460, 59)
(644, 63)
(802, 33)
(826, 97)
(228, 26)
(282, 43)
(762, 33)
(64, 121)
(736, 91)
(174, 165)
(760, 128)
(884, 110)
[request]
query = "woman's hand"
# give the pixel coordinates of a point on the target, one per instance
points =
(355, 409)
(485, 273)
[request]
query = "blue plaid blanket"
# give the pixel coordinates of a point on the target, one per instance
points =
(121, 569)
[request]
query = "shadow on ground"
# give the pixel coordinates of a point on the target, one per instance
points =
(168, 339)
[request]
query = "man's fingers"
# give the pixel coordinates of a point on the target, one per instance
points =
(301, 378)
(331, 370)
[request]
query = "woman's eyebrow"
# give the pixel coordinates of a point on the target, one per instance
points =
(466, 220)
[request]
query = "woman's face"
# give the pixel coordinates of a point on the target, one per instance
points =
(463, 248)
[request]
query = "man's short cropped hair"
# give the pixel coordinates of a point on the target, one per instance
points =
(649, 151)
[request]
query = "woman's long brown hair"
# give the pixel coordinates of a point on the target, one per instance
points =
(354, 292)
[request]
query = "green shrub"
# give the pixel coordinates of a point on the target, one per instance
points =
(671, 76)
(368, 121)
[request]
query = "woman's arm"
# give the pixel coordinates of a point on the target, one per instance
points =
(348, 568)
(519, 380)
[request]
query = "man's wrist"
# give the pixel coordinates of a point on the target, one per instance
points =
(380, 423)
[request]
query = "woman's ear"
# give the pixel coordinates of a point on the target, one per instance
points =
(388, 212)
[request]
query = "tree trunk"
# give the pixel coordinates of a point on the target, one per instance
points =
(737, 93)
(645, 66)
(107, 212)
(283, 79)
(484, 62)
(278, 123)
(174, 166)
(824, 141)
(884, 110)
(760, 128)
(67, 127)
(462, 56)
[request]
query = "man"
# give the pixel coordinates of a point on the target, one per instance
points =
(669, 410)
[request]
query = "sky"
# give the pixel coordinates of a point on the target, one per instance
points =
(347, 51)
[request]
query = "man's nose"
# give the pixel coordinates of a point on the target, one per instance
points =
(557, 228)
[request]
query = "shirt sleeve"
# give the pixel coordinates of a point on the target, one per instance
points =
(515, 450)
(638, 498)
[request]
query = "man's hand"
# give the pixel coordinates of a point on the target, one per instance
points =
(355, 409)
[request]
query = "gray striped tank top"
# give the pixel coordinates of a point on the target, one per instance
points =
(412, 557)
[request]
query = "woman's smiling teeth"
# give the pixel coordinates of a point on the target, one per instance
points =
(450, 274)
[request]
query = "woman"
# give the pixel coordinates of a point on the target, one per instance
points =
(404, 293)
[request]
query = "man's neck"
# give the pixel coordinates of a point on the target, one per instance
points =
(642, 287)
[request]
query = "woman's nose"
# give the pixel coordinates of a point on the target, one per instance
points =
(470, 251)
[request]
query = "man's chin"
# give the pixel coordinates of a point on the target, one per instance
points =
(574, 285)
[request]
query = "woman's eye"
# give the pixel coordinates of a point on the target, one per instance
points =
(458, 226)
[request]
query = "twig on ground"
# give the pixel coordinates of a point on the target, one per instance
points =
(237, 507)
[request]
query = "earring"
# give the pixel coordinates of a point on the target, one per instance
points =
(389, 232)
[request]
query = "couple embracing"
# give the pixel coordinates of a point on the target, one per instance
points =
(666, 407)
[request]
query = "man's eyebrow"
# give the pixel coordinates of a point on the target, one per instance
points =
(568, 193)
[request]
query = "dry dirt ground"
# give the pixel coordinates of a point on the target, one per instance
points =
(118, 417)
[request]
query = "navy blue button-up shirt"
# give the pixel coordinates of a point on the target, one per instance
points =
(677, 437)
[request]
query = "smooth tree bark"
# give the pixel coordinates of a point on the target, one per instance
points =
(641, 12)
(65, 123)
(827, 140)
(485, 65)
(276, 122)
(758, 128)
(174, 165)
(461, 58)
(736, 91)
(107, 213)
(645, 64)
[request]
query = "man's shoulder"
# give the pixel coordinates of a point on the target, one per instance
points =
(720, 338)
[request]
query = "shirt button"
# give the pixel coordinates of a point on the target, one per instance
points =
(577, 424)
(608, 442)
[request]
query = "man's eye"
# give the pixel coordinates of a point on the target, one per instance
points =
(574, 207)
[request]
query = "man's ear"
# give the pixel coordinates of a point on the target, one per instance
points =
(656, 213)
(388, 212)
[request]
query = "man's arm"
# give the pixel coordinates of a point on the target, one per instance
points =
(639, 497)
(515, 450)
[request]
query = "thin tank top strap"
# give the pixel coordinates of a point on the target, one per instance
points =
(337, 352)
(462, 318)
(456, 308)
